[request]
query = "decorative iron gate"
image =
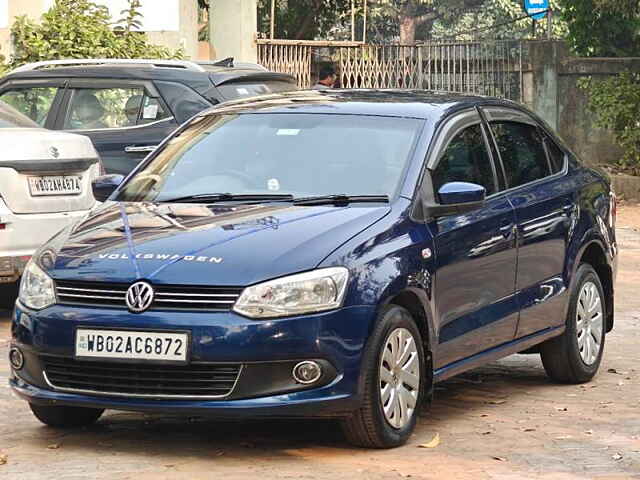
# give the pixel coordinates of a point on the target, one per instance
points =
(487, 67)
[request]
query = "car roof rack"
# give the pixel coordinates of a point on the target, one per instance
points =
(183, 64)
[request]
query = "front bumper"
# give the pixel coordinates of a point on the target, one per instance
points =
(23, 234)
(267, 351)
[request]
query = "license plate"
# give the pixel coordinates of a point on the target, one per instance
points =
(55, 185)
(131, 345)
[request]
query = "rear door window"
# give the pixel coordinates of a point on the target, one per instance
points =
(34, 102)
(522, 151)
(118, 107)
(466, 159)
(182, 100)
(556, 155)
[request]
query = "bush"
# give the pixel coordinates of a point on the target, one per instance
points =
(616, 104)
(82, 29)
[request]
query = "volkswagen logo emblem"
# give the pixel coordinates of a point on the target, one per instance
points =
(139, 297)
(54, 152)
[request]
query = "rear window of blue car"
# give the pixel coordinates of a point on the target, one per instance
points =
(298, 154)
(522, 152)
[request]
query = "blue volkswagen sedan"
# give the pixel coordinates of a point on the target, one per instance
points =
(321, 254)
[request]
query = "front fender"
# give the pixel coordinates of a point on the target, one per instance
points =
(388, 260)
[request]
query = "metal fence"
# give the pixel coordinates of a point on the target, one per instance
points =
(492, 67)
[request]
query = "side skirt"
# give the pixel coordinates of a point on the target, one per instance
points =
(496, 353)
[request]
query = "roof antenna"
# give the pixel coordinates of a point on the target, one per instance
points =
(227, 62)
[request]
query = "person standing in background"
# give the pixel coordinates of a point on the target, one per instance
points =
(326, 79)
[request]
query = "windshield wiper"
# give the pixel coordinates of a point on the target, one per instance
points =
(340, 199)
(229, 197)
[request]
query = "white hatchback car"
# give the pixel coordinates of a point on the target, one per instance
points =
(45, 183)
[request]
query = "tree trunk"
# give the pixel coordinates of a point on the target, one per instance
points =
(407, 30)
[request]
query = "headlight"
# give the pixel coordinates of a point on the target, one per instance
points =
(36, 287)
(308, 292)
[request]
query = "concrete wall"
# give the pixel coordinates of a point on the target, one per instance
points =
(551, 90)
(186, 36)
(233, 25)
(13, 9)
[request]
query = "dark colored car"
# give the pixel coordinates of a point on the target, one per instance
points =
(127, 107)
(363, 246)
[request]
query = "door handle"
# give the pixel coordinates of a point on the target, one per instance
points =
(507, 230)
(144, 149)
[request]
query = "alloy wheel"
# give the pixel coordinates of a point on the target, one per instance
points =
(589, 323)
(399, 377)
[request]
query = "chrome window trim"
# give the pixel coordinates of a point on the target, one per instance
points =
(143, 395)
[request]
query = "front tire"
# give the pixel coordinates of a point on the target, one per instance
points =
(65, 417)
(393, 383)
(575, 356)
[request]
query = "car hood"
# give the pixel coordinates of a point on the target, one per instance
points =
(202, 244)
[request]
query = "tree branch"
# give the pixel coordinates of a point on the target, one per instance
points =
(308, 20)
(420, 19)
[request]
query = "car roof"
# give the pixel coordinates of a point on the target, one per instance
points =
(421, 104)
(199, 80)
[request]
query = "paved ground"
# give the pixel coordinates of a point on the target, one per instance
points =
(504, 421)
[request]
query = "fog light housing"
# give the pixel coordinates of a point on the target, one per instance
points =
(307, 372)
(16, 358)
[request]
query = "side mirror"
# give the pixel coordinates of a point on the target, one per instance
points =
(456, 198)
(105, 185)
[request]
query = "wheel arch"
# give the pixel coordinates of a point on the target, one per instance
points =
(594, 254)
(411, 300)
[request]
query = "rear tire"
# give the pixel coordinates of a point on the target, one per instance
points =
(393, 383)
(65, 417)
(572, 357)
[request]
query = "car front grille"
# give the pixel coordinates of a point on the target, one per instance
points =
(174, 297)
(197, 380)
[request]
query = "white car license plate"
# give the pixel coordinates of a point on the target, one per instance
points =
(55, 185)
(131, 345)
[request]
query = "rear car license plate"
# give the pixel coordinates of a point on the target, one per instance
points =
(55, 185)
(131, 345)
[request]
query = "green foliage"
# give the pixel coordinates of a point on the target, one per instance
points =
(616, 104)
(82, 29)
(603, 28)
(498, 19)
(302, 19)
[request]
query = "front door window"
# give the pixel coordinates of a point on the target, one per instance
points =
(103, 108)
(34, 102)
(466, 159)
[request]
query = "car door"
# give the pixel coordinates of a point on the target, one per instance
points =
(126, 120)
(543, 198)
(475, 253)
(39, 100)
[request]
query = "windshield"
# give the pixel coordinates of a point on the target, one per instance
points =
(298, 154)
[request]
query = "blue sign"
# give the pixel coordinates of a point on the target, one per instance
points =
(536, 9)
